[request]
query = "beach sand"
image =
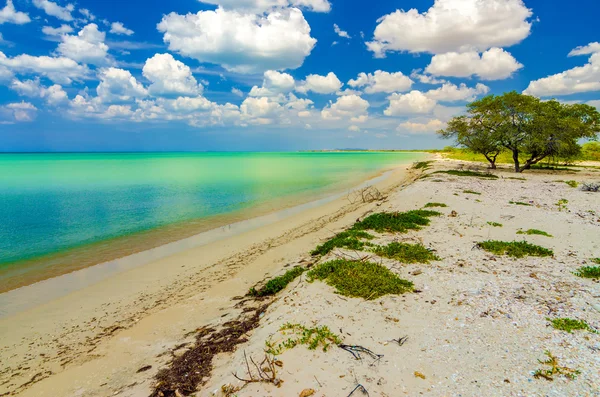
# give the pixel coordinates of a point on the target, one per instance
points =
(92, 341)
(476, 327)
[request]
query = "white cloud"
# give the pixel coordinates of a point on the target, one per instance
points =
(55, 10)
(320, 84)
(424, 78)
(119, 28)
(260, 110)
(118, 85)
(341, 32)
(451, 93)
(428, 126)
(237, 92)
(54, 95)
(453, 25)
(61, 70)
(62, 29)
(274, 83)
(584, 78)
(9, 15)
(415, 102)
(86, 13)
(346, 106)
(494, 64)
(259, 6)
(382, 81)
(170, 77)
(243, 43)
(18, 111)
(354, 128)
(87, 46)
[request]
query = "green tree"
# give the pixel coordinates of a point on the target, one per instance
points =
(528, 127)
(591, 151)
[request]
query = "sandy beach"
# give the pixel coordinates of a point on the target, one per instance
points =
(477, 323)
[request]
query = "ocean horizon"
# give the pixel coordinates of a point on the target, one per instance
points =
(65, 211)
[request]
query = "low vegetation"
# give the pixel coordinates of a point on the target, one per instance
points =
(471, 192)
(495, 224)
(360, 279)
(591, 187)
(572, 183)
(516, 249)
(588, 272)
(311, 337)
(277, 284)
(534, 232)
(468, 173)
(351, 239)
(432, 205)
(396, 222)
(554, 370)
(519, 203)
(562, 204)
(406, 253)
(422, 165)
(569, 324)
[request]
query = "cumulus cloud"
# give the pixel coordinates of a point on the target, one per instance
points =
(87, 46)
(414, 102)
(86, 13)
(347, 106)
(119, 28)
(453, 26)
(415, 127)
(237, 92)
(260, 110)
(55, 10)
(259, 6)
(17, 112)
(274, 83)
(10, 15)
(60, 70)
(382, 81)
(341, 32)
(320, 84)
(170, 77)
(579, 79)
(451, 93)
(54, 95)
(62, 29)
(240, 42)
(118, 85)
(494, 64)
(425, 78)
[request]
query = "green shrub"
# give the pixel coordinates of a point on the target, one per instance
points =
(596, 260)
(495, 224)
(516, 249)
(422, 165)
(468, 173)
(406, 253)
(471, 192)
(519, 203)
(431, 205)
(276, 284)
(349, 239)
(534, 231)
(399, 222)
(359, 279)
(572, 183)
(312, 337)
(570, 325)
(588, 272)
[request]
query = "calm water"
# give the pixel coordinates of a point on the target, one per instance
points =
(53, 203)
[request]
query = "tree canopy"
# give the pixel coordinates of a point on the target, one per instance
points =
(530, 128)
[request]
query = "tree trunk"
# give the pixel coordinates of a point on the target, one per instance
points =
(492, 161)
(516, 160)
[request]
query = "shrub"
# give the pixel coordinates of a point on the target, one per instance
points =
(519, 203)
(360, 279)
(516, 249)
(349, 239)
(399, 222)
(406, 253)
(422, 165)
(572, 183)
(312, 337)
(471, 192)
(588, 272)
(431, 205)
(468, 173)
(276, 284)
(570, 325)
(495, 224)
(534, 231)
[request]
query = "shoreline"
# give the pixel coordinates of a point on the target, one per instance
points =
(113, 252)
(68, 329)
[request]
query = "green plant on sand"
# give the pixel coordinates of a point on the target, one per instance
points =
(359, 279)
(588, 272)
(495, 224)
(398, 222)
(534, 232)
(562, 204)
(471, 192)
(570, 324)
(350, 239)
(431, 205)
(406, 253)
(468, 173)
(572, 183)
(312, 337)
(519, 203)
(516, 249)
(276, 284)
(554, 370)
(422, 165)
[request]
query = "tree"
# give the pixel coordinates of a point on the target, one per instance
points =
(528, 127)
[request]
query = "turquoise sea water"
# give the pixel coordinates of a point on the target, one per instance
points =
(51, 203)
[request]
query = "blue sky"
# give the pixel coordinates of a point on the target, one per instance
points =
(277, 74)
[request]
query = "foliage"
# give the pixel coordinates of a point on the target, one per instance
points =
(422, 165)
(519, 203)
(399, 222)
(555, 369)
(312, 337)
(570, 325)
(516, 249)
(468, 173)
(495, 224)
(591, 151)
(534, 231)
(562, 204)
(431, 205)
(524, 124)
(277, 284)
(348, 239)
(360, 279)
(471, 192)
(596, 260)
(588, 271)
(406, 253)
(572, 183)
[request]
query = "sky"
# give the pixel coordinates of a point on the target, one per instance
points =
(266, 75)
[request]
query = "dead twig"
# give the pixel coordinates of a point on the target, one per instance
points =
(360, 388)
(355, 350)
(400, 341)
